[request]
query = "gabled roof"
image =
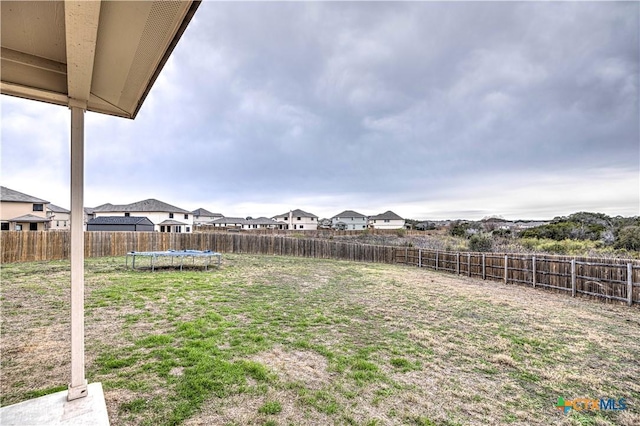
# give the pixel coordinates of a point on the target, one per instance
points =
(10, 195)
(150, 205)
(235, 220)
(57, 209)
(388, 215)
(297, 213)
(348, 213)
(171, 222)
(29, 218)
(203, 212)
(263, 221)
(120, 220)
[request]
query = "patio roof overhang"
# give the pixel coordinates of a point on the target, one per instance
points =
(105, 54)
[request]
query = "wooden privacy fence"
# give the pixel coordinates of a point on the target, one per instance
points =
(39, 246)
(613, 279)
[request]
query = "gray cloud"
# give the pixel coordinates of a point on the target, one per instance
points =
(380, 105)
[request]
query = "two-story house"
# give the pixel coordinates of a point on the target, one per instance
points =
(386, 220)
(204, 217)
(165, 217)
(299, 220)
(22, 212)
(60, 218)
(349, 220)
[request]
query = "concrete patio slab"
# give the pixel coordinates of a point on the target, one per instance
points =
(54, 410)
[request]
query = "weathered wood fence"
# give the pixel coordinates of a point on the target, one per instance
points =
(612, 279)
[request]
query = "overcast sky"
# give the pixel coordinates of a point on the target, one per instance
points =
(432, 110)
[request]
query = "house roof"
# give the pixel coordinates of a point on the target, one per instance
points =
(9, 195)
(203, 212)
(234, 220)
(172, 222)
(57, 209)
(388, 215)
(348, 213)
(150, 205)
(29, 218)
(297, 213)
(263, 221)
(120, 220)
(105, 53)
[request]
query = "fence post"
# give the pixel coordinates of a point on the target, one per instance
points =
(458, 263)
(419, 258)
(484, 268)
(406, 256)
(533, 265)
(573, 278)
(436, 260)
(506, 267)
(629, 284)
(469, 264)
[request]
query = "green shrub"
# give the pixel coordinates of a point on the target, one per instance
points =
(628, 238)
(480, 242)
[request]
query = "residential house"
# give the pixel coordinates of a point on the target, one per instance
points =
(165, 217)
(22, 212)
(60, 218)
(349, 220)
(204, 217)
(120, 223)
(262, 223)
(298, 219)
(386, 220)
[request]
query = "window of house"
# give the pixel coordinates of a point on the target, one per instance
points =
(57, 223)
(301, 226)
(386, 221)
(178, 228)
(161, 228)
(5, 226)
(299, 218)
(170, 215)
(18, 227)
(186, 216)
(127, 215)
(188, 229)
(38, 207)
(312, 218)
(65, 223)
(33, 227)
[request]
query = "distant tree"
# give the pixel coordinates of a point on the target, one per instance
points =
(628, 238)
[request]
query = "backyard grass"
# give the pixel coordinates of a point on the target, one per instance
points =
(267, 340)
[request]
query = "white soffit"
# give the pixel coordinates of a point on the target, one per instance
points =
(105, 53)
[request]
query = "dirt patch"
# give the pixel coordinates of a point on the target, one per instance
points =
(304, 367)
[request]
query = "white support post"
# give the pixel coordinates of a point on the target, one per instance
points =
(629, 284)
(78, 385)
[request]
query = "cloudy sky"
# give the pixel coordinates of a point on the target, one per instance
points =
(432, 110)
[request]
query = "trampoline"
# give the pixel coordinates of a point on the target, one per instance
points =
(206, 255)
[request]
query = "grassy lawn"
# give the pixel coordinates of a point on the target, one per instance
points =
(280, 341)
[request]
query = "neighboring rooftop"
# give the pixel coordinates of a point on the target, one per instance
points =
(13, 196)
(348, 213)
(29, 218)
(388, 215)
(204, 212)
(57, 209)
(120, 220)
(297, 213)
(150, 205)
